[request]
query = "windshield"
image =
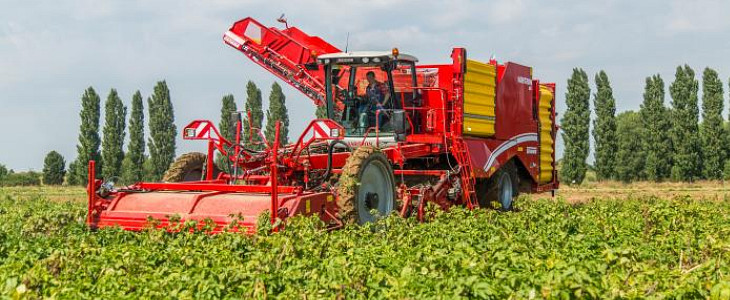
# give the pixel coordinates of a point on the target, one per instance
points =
(368, 95)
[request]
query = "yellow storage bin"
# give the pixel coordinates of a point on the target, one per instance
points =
(546, 138)
(480, 82)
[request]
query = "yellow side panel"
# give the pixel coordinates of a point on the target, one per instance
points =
(546, 138)
(480, 84)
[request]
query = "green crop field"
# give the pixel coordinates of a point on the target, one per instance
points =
(636, 247)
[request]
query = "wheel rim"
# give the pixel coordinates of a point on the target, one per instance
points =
(375, 192)
(505, 191)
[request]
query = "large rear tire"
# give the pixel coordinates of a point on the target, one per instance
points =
(502, 188)
(188, 167)
(366, 183)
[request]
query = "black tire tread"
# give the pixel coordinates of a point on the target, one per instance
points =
(183, 165)
(347, 184)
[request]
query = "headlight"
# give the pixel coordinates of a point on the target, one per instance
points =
(189, 132)
(334, 132)
(365, 60)
(377, 59)
(326, 61)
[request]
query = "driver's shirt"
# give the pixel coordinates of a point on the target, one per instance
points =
(376, 93)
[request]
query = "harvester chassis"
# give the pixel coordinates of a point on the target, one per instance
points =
(465, 133)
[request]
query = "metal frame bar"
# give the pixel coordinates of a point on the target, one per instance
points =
(90, 190)
(202, 186)
(274, 178)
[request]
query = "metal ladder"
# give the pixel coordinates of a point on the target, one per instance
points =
(468, 182)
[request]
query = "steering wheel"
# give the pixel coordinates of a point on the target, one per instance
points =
(353, 101)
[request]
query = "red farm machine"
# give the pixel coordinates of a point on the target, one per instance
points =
(397, 136)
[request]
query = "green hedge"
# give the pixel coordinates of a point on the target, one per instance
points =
(21, 179)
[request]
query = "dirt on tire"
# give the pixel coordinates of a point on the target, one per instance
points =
(184, 166)
(348, 181)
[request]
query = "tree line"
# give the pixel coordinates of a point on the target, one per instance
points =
(655, 143)
(106, 146)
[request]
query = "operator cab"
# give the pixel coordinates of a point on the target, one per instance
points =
(368, 89)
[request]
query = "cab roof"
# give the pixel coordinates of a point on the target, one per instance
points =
(355, 57)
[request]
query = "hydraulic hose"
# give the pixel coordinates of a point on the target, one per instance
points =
(330, 149)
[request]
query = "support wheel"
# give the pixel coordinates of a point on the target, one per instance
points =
(502, 188)
(188, 167)
(366, 184)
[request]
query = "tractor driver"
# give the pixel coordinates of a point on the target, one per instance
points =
(377, 96)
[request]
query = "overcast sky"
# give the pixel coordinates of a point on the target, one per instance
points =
(50, 51)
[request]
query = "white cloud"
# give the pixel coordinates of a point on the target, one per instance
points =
(385, 39)
(506, 11)
(698, 16)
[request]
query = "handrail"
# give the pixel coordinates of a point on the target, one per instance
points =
(328, 122)
(444, 97)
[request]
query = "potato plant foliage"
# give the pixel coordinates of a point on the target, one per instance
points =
(635, 248)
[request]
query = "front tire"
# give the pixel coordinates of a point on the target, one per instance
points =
(366, 183)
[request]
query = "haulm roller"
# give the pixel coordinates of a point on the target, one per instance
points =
(397, 136)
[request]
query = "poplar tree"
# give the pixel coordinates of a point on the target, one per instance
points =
(132, 167)
(575, 126)
(112, 152)
(711, 129)
(88, 146)
(226, 125)
(726, 144)
(629, 155)
(72, 176)
(277, 112)
(655, 119)
(54, 169)
(685, 129)
(162, 130)
(227, 129)
(254, 110)
(604, 128)
(3, 171)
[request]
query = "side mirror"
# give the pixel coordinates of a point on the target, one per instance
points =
(336, 76)
(399, 121)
